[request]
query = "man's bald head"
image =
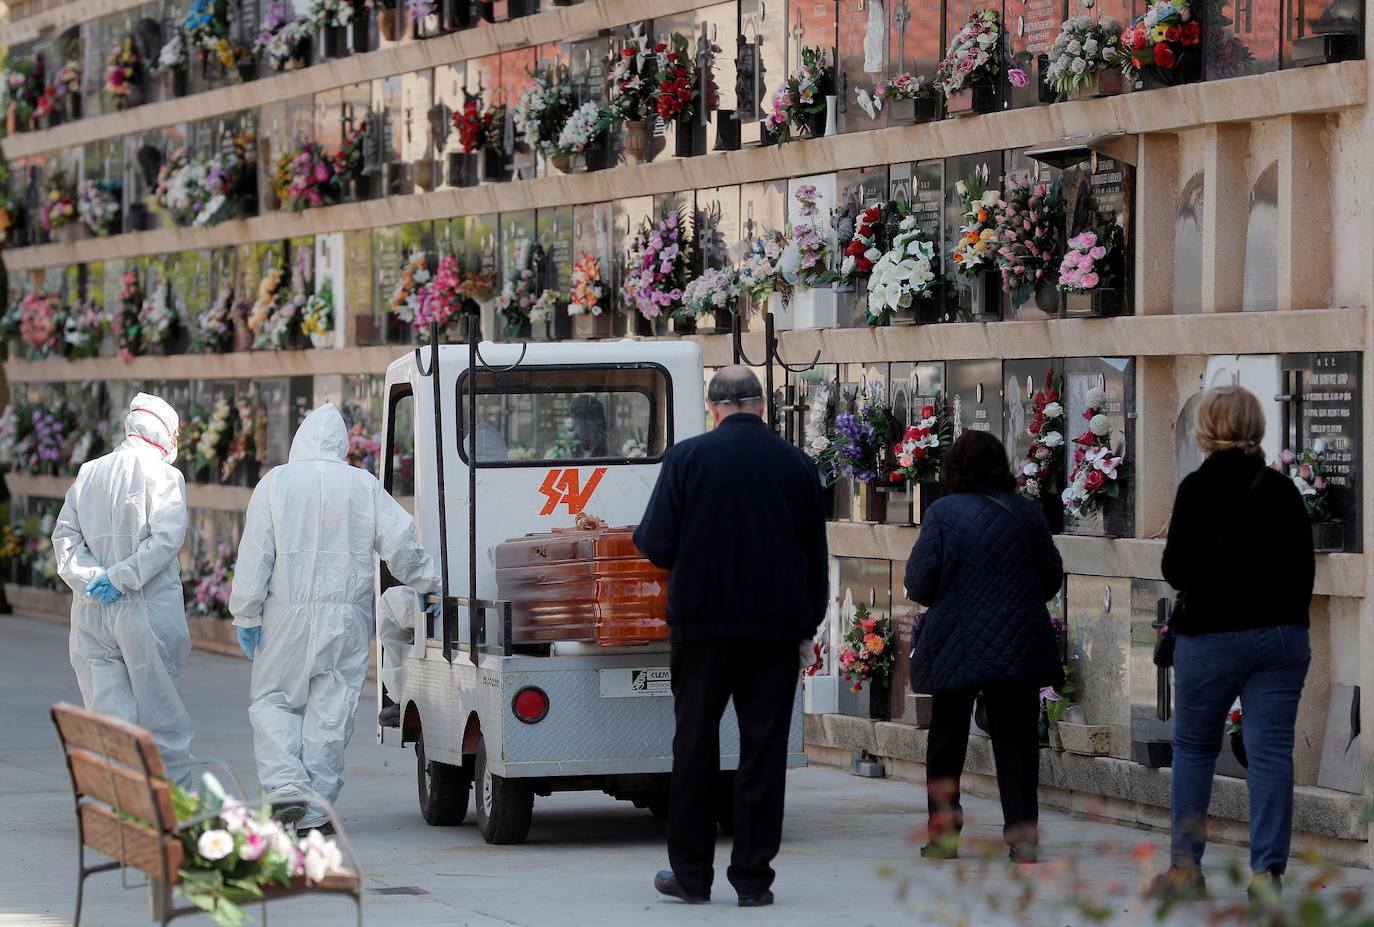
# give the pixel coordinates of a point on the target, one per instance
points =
(734, 389)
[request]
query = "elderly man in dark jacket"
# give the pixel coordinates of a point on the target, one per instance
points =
(985, 564)
(736, 516)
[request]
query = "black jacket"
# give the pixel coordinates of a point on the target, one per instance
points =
(736, 516)
(985, 573)
(1244, 562)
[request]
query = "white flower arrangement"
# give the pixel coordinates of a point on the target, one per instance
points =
(903, 273)
(545, 306)
(415, 276)
(173, 54)
(713, 291)
(216, 430)
(816, 431)
(587, 124)
(544, 108)
(1084, 48)
(327, 13)
(156, 317)
(96, 207)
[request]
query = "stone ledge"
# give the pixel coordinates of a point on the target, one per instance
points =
(1316, 811)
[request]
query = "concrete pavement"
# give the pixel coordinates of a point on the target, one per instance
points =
(847, 856)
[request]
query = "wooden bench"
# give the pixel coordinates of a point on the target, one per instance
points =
(124, 811)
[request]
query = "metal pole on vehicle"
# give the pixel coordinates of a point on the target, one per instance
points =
(439, 483)
(475, 614)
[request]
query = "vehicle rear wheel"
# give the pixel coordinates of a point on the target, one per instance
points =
(504, 806)
(443, 789)
(724, 801)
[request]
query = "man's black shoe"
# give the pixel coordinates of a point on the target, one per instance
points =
(756, 901)
(666, 883)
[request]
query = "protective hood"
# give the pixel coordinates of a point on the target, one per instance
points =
(151, 421)
(322, 436)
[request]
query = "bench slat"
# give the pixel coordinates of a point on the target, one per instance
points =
(122, 788)
(106, 736)
(101, 828)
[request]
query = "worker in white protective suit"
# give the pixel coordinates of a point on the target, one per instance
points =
(302, 603)
(397, 615)
(116, 543)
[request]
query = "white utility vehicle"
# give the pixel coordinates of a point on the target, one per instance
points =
(479, 703)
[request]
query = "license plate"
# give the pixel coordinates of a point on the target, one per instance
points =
(636, 683)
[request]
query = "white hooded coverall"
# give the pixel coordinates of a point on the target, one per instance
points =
(125, 516)
(304, 574)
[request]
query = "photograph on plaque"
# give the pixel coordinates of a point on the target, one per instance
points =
(1322, 433)
(976, 296)
(1107, 384)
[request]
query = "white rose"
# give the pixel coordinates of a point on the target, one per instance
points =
(1078, 66)
(215, 844)
(1100, 425)
(1052, 410)
(819, 443)
(1090, 46)
(321, 856)
(1051, 439)
(1075, 47)
(1030, 469)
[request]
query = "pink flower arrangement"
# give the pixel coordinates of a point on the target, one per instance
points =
(656, 266)
(449, 295)
(305, 179)
(40, 322)
(210, 598)
(1084, 265)
(363, 449)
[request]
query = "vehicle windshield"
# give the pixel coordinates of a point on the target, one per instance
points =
(587, 414)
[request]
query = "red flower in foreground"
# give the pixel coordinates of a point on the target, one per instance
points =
(1164, 56)
(1192, 33)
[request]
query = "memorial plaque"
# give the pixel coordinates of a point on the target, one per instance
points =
(856, 190)
(1188, 219)
(1099, 196)
(972, 299)
(364, 323)
(975, 395)
(760, 62)
(1151, 688)
(587, 62)
(1241, 37)
(388, 257)
(1099, 632)
(517, 227)
(862, 59)
(917, 40)
(329, 119)
(516, 69)
(1022, 378)
(450, 85)
(717, 223)
(1317, 30)
(555, 233)
(810, 24)
(1323, 403)
(1043, 302)
(722, 30)
(1115, 376)
(1030, 29)
(806, 406)
(912, 386)
(417, 139)
(868, 582)
(957, 13)
(856, 500)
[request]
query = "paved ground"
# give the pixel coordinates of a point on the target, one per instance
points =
(847, 855)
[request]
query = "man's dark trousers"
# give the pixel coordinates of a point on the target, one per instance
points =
(761, 676)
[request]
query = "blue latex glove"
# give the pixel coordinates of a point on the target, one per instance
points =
(250, 639)
(102, 590)
(436, 609)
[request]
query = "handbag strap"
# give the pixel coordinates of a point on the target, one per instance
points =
(1011, 511)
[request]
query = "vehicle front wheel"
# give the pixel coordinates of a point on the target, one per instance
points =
(504, 806)
(443, 789)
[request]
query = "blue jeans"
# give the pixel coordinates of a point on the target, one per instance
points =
(1265, 668)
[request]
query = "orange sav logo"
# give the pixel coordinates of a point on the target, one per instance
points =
(564, 487)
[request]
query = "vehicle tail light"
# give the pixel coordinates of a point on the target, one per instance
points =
(530, 704)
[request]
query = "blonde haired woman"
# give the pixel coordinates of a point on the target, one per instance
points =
(1240, 554)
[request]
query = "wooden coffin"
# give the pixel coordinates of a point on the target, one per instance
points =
(580, 585)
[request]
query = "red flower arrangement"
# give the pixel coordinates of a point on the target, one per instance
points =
(861, 253)
(922, 447)
(1161, 37)
(1039, 473)
(677, 79)
(476, 126)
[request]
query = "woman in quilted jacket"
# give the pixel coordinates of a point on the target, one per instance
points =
(984, 566)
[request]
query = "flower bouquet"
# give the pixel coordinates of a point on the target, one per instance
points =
(907, 98)
(333, 17)
(903, 274)
(520, 290)
(265, 318)
(1088, 272)
(212, 331)
(348, 162)
(1308, 471)
(157, 320)
(171, 63)
(416, 274)
(283, 40)
(214, 438)
(1038, 476)
(867, 653)
(1086, 56)
(22, 90)
(57, 212)
(207, 31)
(588, 133)
(66, 89)
(1097, 471)
(975, 254)
(97, 205)
(590, 318)
(452, 300)
(84, 329)
(210, 597)
(1026, 221)
(543, 109)
(806, 266)
(247, 443)
(919, 453)
(235, 852)
(124, 321)
(363, 449)
(545, 311)
(798, 106)
(305, 178)
(656, 265)
(634, 86)
(317, 315)
(759, 276)
(124, 75)
(1164, 45)
(969, 74)
(230, 182)
(712, 297)
(678, 97)
(479, 134)
(856, 446)
(863, 251)
(41, 323)
(181, 187)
